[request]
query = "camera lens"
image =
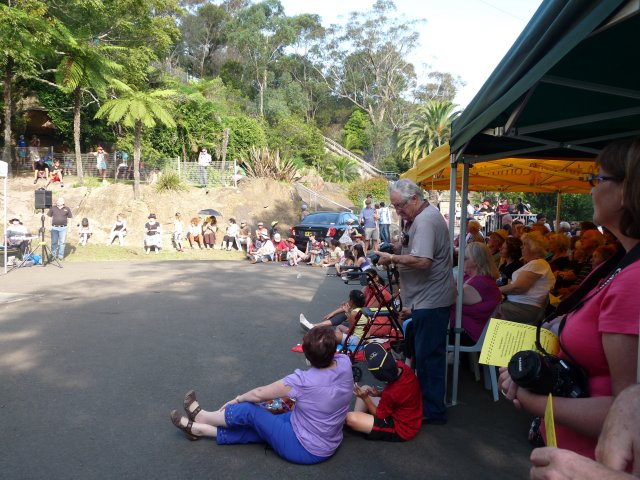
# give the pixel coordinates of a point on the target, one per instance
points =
(530, 370)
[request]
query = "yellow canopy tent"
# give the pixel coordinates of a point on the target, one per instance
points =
(505, 174)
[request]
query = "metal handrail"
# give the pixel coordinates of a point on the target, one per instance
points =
(314, 196)
(332, 144)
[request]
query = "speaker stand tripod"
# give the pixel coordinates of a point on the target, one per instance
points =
(47, 256)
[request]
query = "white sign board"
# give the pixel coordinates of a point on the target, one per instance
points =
(4, 169)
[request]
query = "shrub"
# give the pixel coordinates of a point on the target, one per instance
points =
(170, 182)
(375, 186)
(264, 164)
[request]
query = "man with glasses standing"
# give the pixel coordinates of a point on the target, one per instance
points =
(423, 258)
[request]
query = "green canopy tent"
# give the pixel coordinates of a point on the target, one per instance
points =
(568, 86)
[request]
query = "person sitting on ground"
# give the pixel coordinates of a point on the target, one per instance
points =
(528, 293)
(510, 254)
(281, 248)
(243, 236)
(40, 170)
(345, 239)
(229, 239)
(274, 229)
(395, 414)
(357, 239)
(194, 233)
(354, 305)
(84, 231)
(209, 230)
(153, 235)
(480, 293)
(294, 255)
(334, 256)
(56, 174)
(347, 260)
(118, 230)
(315, 250)
(265, 253)
(339, 316)
(362, 261)
(16, 235)
(261, 233)
(310, 434)
(178, 230)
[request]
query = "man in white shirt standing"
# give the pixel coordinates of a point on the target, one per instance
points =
(385, 221)
(204, 160)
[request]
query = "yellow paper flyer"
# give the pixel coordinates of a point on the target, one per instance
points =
(549, 424)
(505, 338)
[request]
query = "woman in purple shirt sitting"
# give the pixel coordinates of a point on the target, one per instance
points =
(480, 294)
(309, 434)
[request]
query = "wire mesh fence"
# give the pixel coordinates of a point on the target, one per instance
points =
(119, 166)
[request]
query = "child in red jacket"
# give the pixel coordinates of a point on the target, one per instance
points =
(395, 414)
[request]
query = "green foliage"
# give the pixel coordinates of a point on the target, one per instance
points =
(430, 128)
(339, 169)
(355, 135)
(264, 164)
(572, 206)
(295, 138)
(244, 133)
(378, 187)
(170, 181)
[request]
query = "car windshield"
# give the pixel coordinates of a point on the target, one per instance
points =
(327, 218)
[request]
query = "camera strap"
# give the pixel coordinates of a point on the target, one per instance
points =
(609, 269)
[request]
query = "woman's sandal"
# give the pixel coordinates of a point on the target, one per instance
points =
(175, 419)
(190, 399)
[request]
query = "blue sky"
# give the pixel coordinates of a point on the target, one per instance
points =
(464, 37)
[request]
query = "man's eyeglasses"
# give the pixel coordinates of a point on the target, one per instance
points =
(598, 179)
(400, 206)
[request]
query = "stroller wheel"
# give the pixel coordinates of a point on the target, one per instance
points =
(357, 373)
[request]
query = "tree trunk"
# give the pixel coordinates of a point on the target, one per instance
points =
(8, 76)
(262, 86)
(223, 152)
(77, 98)
(137, 142)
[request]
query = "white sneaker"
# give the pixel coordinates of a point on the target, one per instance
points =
(304, 323)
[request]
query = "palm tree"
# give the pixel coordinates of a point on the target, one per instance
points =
(341, 169)
(430, 128)
(137, 109)
(84, 66)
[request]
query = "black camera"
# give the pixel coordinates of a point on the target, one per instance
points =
(544, 374)
(384, 248)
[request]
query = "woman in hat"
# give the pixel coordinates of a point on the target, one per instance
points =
(16, 235)
(209, 230)
(153, 235)
(274, 229)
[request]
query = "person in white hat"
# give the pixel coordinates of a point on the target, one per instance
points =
(60, 214)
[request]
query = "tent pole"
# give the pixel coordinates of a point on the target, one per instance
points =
(452, 202)
(558, 203)
(460, 280)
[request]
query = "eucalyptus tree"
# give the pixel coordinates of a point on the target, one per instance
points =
(261, 33)
(138, 109)
(365, 62)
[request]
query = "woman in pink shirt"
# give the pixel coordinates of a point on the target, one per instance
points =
(600, 333)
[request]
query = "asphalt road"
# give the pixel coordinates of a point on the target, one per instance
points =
(94, 356)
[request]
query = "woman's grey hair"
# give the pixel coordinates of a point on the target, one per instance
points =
(406, 189)
(480, 254)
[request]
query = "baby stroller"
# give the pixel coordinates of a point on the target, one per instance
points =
(379, 324)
